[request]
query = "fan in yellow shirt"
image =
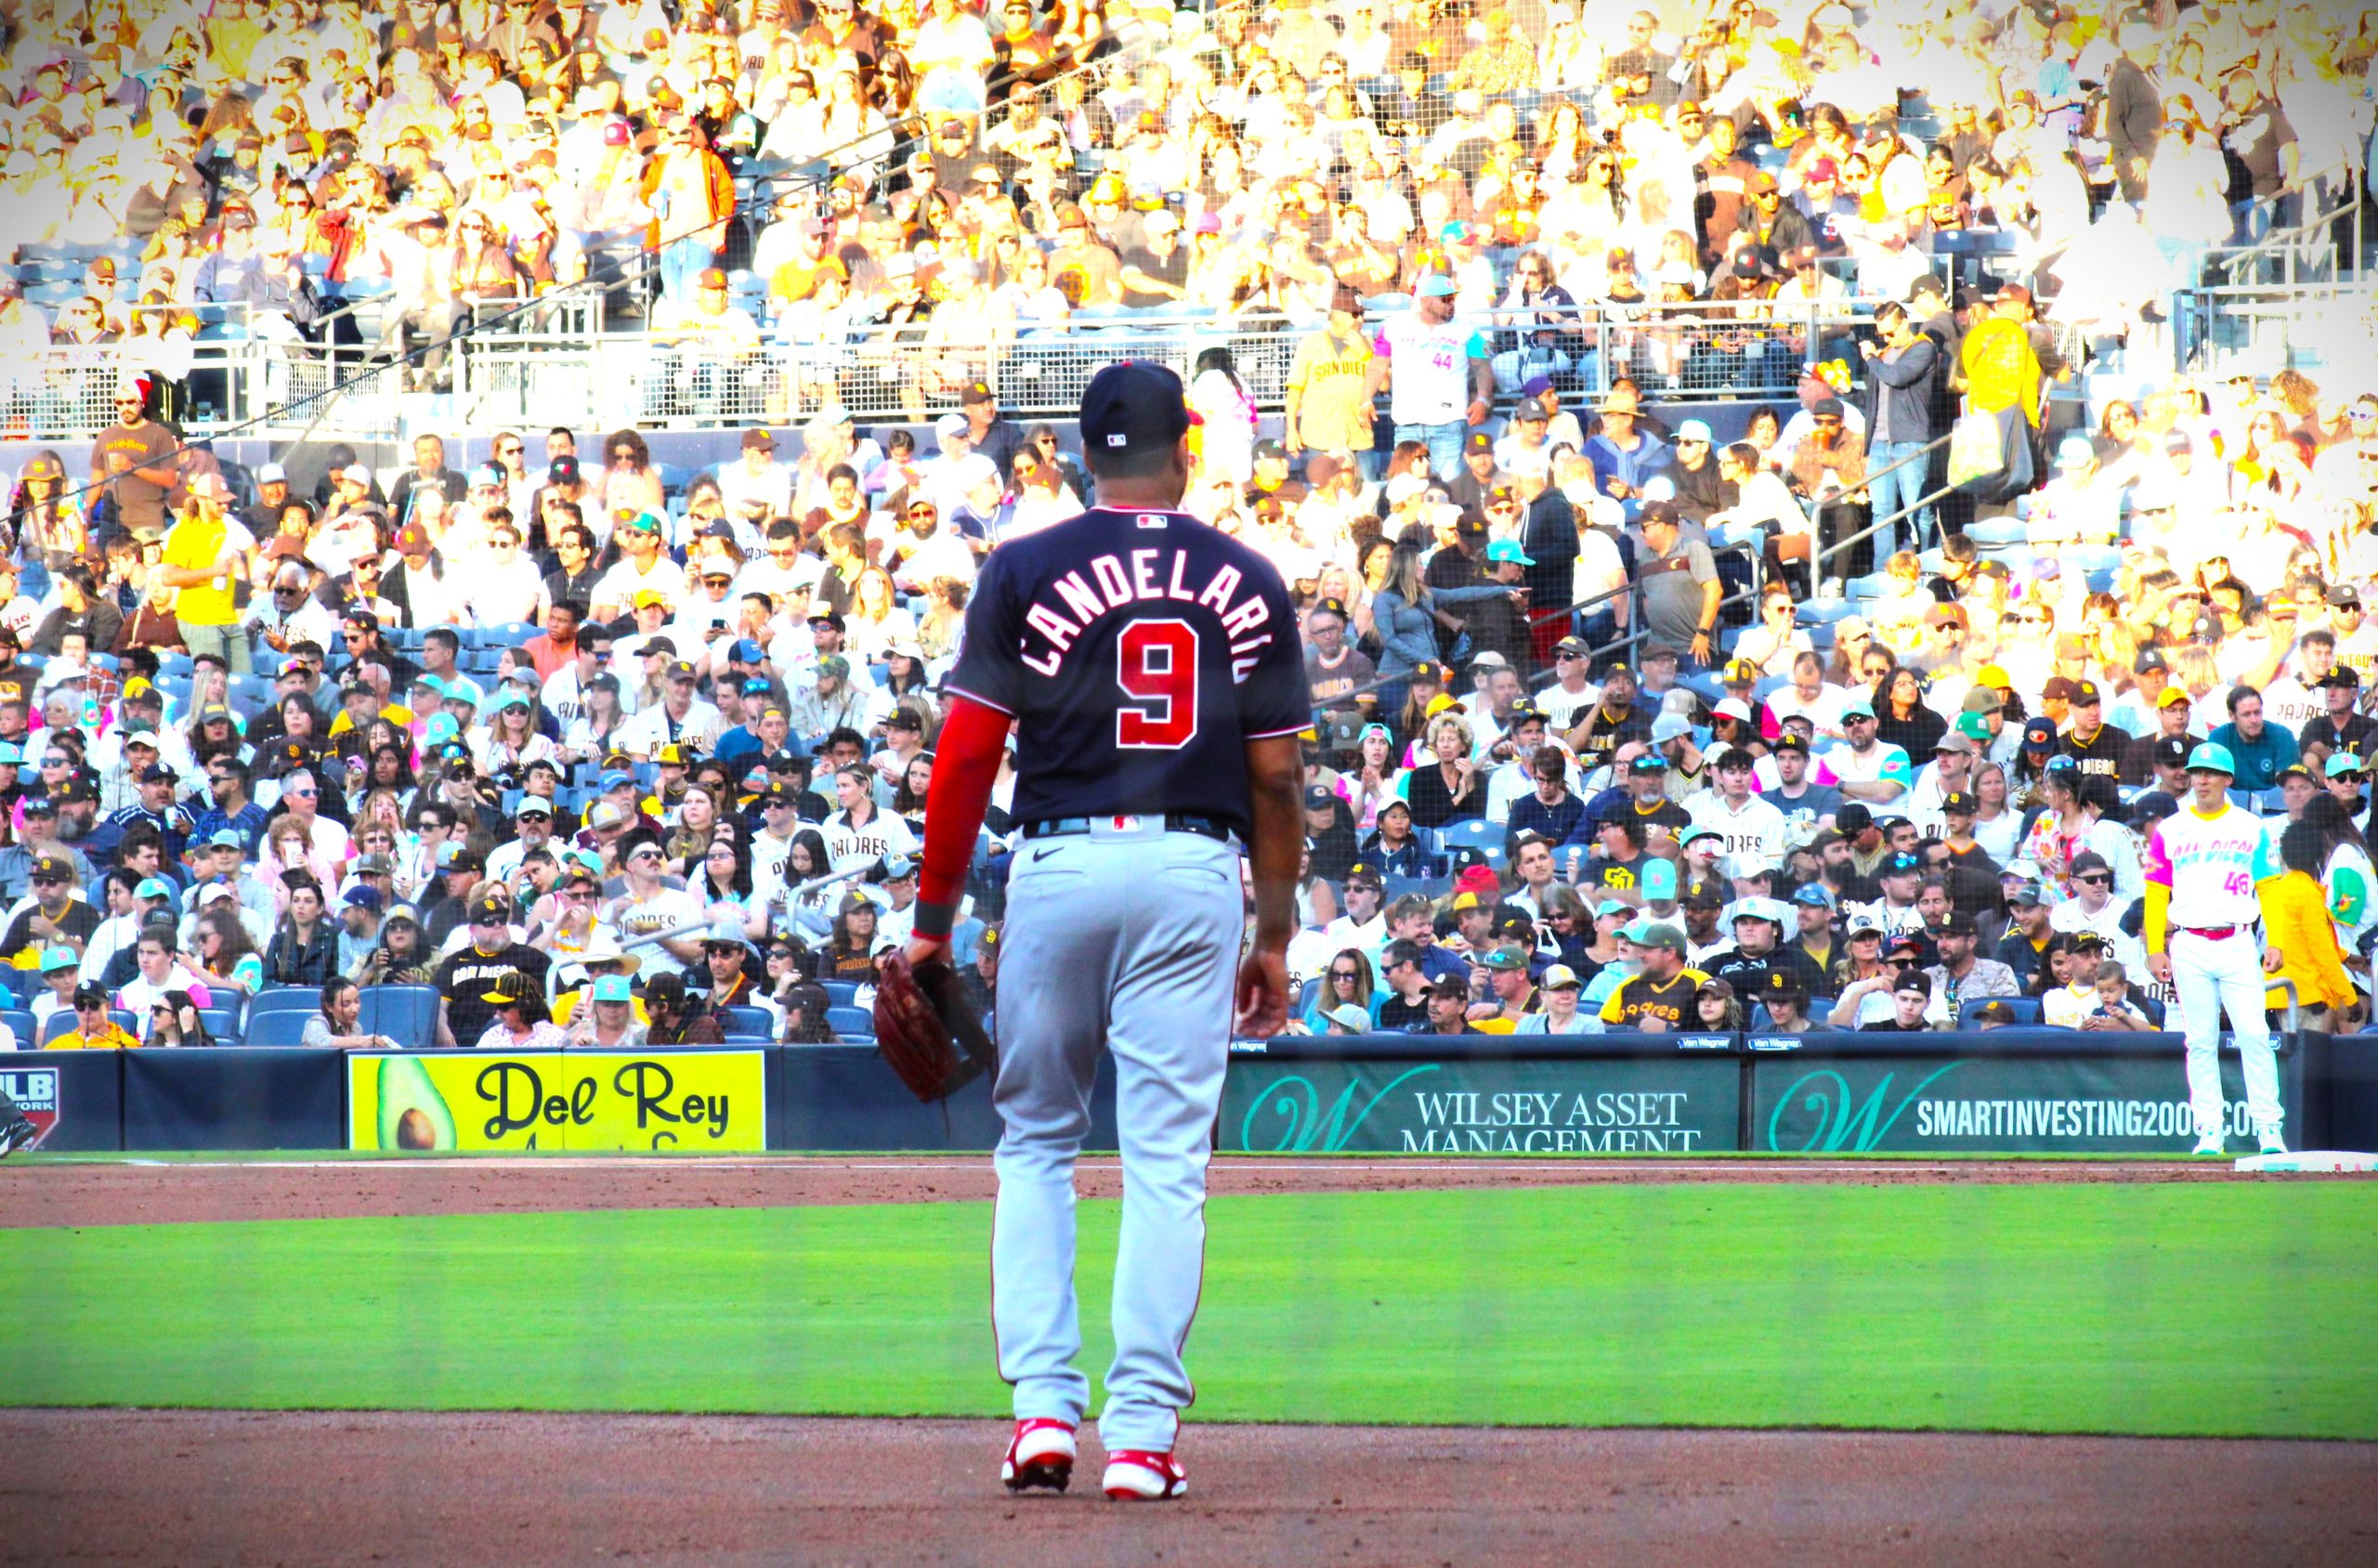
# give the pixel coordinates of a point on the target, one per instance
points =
(94, 1030)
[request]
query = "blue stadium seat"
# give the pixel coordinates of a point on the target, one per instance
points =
(1999, 531)
(407, 1014)
(841, 993)
(1477, 833)
(851, 1023)
(222, 1023)
(748, 1021)
(286, 1027)
(62, 1022)
(285, 998)
(22, 1027)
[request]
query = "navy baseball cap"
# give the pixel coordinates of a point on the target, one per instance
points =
(1133, 406)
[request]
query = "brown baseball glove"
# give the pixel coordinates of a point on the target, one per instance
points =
(925, 1029)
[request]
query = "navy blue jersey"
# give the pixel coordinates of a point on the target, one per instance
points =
(1138, 652)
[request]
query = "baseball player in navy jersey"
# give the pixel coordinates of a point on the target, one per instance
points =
(1153, 672)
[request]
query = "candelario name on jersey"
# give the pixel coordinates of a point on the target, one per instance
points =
(1068, 606)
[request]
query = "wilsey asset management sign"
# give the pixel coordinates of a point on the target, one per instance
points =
(1665, 1104)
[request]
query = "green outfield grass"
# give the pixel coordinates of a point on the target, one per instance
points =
(2228, 1309)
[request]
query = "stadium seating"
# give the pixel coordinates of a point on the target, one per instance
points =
(282, 1028)
(407, 1014)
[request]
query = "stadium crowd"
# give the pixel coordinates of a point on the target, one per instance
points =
(574, 745)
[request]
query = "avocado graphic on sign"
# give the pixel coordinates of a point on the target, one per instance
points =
(413, 1113)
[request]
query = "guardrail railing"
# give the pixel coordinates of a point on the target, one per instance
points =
(1679, 353)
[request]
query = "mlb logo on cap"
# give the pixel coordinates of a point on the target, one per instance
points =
(1134, 406)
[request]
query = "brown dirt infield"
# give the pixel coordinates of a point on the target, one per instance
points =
(115, 1194)
(199, 1487)
(194, 1488)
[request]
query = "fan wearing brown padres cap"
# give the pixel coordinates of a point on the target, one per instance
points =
(467, 975)
(1157, 719)
(54, 917)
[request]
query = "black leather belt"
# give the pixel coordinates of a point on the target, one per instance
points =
(1174, 822)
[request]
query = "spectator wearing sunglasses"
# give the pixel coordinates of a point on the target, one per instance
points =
(54, 917)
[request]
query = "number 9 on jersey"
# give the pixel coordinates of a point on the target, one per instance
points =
(1156, 666)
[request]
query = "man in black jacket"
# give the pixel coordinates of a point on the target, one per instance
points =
(2133, 113)
(1899, 420)
(1551, 540)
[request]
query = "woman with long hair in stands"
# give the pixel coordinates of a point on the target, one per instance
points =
(810, 916)
(46, 525)
(334, 1025)
(627, 478)
(509, 740)
(1996, 827)
(174, 1020)
(1406, 615)
(227, 957)
(2347, 878)
(877, 619)
(688, 837)
(721, 879)
(802, 1001)
(1348, 979)
(1371, 562)
(850, 951)
(1716, 1007)
(600, 717)
(1906, 720)
(908, 796)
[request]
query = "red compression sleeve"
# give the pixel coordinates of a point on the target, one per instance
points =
(965, 765)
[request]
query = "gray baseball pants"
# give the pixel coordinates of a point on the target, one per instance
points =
(1123, 939)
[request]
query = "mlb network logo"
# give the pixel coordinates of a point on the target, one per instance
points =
(36, 1091)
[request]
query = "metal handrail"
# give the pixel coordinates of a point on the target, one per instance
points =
(1636, 631)
(2286, 245)
(1537, 617)
(1875, 525)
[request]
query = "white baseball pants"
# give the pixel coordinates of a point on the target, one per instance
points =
(1124, 941)
(2208, 976)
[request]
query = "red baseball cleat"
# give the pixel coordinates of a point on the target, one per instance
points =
(1040, 1454)
(1143, 1475)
